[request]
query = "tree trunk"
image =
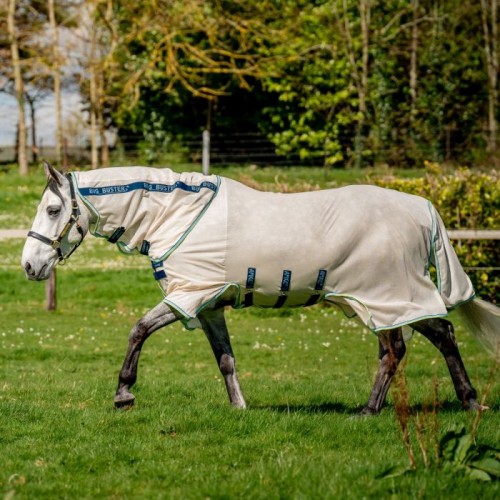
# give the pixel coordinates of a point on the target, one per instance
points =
(34, 146)
(103, 141)
(102, 125)
(364, 7)
(56, 73)
(360, 77)
(490, 31)
(94, 98)
(413, 65)
(19, 88)
(361, 132)
(102, 89)
(93, 120)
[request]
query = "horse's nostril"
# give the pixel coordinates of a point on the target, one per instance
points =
(29, 270)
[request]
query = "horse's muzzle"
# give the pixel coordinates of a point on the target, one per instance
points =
(33, 275)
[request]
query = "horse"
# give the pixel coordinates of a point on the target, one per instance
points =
(213, 242)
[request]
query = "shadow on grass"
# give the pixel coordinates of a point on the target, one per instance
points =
(447, 406)
(323, 408)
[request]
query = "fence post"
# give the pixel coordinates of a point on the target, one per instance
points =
(50, 291)
(205, 158)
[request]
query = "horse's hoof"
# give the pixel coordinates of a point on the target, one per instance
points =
(239, 405)
(367, 412)
(472, 404)
(125, 401)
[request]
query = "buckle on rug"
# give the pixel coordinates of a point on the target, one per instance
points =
(160, 275)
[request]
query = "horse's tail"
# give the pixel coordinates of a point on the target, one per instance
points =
(482, 319)
(453, 283)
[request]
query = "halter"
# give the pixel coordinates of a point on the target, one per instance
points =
(73, 219)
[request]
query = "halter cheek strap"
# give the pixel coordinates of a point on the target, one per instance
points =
(73, 220)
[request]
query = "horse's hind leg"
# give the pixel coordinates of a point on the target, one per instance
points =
(214, 326)
(391, 351)
(440, 332)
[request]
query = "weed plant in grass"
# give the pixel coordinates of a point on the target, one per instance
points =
(306, 373)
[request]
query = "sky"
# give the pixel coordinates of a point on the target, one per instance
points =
(45, 117)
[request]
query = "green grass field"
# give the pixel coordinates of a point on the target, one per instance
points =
(305, 373)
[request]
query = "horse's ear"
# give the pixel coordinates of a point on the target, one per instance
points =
(52, 173)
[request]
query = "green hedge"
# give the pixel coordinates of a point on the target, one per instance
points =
(465, 199)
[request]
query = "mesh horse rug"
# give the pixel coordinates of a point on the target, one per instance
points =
(364, 248)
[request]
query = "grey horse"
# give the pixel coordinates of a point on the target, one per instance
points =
(213, 243)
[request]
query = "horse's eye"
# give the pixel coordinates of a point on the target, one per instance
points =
(53, 211)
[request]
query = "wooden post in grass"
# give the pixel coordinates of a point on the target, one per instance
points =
(51, 286)
(50, 291)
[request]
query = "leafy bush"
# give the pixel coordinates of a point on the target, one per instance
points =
(465, 199)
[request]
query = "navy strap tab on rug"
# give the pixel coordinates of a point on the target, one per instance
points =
(320, 283)
(116, 235)
(159, 275)
(158, 271)
(286, 281)
(250, 284)
(145, 247)
(251, 277)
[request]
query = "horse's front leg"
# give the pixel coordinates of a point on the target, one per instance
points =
(159, 316)
(391, 351)
(214, 326)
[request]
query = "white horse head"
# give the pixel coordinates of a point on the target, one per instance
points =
(59, 227)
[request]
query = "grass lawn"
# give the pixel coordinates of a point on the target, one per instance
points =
(305, 374)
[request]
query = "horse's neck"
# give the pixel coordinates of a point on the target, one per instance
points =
(89, 217)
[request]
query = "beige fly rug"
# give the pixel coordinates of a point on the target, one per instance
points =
(364, 248)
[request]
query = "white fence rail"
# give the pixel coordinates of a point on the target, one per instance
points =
(474, 234)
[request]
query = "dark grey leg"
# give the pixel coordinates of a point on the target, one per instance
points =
(158, 317)
(391, 351)
(214, 326)
(440, 332)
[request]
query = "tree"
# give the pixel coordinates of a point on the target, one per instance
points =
(97, 78)
(34, 66)
(359, 64)
(167, 54)
(323, 82)
(33, 94)
(56, 75)
(357, 81)
(19, 88)
(489, 11)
